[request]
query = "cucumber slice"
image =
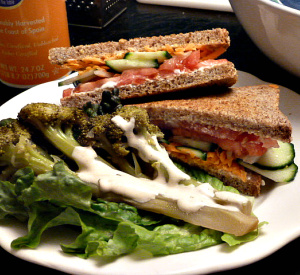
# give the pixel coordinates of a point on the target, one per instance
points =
(160, 56)
(198, 153)
(87, 76)
(197, 144)
(285, 174)
(120, 65)
(277, 158)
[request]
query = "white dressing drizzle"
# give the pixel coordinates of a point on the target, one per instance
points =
(189, 198)
(150, 153)
(109, 84)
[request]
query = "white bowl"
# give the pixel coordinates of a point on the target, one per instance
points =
(274, 28)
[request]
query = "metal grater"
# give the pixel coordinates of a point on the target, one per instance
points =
(97, 13)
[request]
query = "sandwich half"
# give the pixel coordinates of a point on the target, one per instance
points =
(239, 136)
(146, 66)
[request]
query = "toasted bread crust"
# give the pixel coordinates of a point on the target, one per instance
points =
(219, 75)
(252, 109)
(215, 38)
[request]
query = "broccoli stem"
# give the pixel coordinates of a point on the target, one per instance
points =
(64, 141)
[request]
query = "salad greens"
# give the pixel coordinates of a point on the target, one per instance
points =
(59, 197)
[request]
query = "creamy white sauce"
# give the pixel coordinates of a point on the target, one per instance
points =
(106, 179)
(109, 84)
(177, 71)
(153, 153)
(189, 198)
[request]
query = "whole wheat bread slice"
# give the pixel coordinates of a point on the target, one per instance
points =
(223, 74)
(216, 38)
(252, 109)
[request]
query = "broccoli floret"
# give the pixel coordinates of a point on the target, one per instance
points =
(143, 138)
(104, 130)
(17, 150)
(106, 135)
(142, 121)
(113, 146)
(58, 124)
(64, 127)
(106, 138)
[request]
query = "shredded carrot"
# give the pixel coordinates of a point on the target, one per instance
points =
(212, 54)
(274, 86)
(93, 60)
(219, 159)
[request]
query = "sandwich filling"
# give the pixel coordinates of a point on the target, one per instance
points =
(217, 159)
(230, 146)
(243, 145)
(180, 63)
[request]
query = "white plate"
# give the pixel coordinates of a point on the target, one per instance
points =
(279, 205)
(219, 5)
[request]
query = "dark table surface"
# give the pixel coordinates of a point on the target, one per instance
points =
(149, 20)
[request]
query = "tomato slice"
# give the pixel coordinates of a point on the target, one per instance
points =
(192, 61)
(137, 76)
(242, 144)
(187, 62)
(92, 85)
(68, 92)
(172, 64)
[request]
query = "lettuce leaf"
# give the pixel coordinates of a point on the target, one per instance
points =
(202, 176)
(59, 197)
(9, 192)
(232, 240)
